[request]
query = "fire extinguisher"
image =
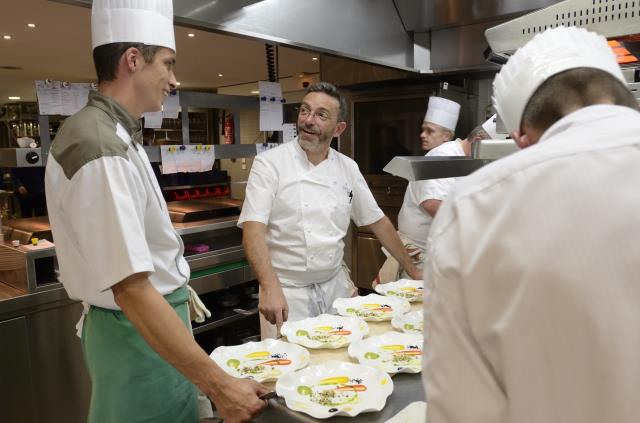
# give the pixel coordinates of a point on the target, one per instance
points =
(228, 128)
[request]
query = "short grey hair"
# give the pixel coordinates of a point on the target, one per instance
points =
(331, 90)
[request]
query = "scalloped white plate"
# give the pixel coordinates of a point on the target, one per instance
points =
(263, 361)
(408, 289)
(335, 388)
(412, 322)
(325, 331)
(372, 307)
(392, 352)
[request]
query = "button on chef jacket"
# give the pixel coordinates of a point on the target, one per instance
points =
(413, 221)
(306, 210)
(108, 217)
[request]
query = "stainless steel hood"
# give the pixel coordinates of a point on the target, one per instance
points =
(412, 35)
(611, 18)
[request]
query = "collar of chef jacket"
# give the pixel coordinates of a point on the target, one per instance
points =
(118, 113)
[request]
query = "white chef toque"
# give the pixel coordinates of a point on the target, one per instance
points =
(547, 54)
(133, 21)
(489, 127)
(443, 112)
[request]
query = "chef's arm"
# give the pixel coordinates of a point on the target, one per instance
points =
(388, 237)
(162, 329)
(272, 303)
(431, 206)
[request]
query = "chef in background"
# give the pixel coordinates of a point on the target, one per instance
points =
(418, 206)
(533, 259)
(117, 249)
(300, 199)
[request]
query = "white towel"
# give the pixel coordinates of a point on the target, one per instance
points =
(197, 310)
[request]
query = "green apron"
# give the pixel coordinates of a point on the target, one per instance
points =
(130, 381)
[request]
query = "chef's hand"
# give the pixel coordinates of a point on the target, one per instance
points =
(273, 305)
(238, 401)
(22, 190)
(415, 273)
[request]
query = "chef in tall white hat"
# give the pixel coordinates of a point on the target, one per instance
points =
(533, 259)
(422, 198)
(439, 123)
(116, 247)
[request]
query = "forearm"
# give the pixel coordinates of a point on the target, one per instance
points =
(161, 327)
(257, 252)
(388, 237)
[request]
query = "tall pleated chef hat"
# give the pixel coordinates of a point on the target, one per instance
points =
(443, 112)
(547, 54)
(133, 21)
(489, 127)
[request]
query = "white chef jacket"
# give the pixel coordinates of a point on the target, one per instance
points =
(108, 217)
(533, 261)
(306, 210)
(413, 221)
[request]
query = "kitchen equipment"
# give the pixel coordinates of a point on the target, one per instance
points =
(202, 209)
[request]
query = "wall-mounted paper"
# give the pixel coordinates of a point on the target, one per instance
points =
(270, 106)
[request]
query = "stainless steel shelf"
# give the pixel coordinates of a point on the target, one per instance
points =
(224, 321)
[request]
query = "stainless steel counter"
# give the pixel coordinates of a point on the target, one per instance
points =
(407, 388)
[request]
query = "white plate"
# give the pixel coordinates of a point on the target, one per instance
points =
(264, 361)
(412, 322)
(372, 307)
(325, 331)
(392, 352)
(408, 289)
(335, 388)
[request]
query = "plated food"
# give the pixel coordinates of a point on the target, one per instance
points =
(335, 388)
(412, 322)
(372, 307)
(263, 361)
(408, 289)
(392, 352)
(325, 331)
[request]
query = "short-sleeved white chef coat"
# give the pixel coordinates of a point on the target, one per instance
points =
(413, 221)
(533, 265)
(108, 217)
(306, 210)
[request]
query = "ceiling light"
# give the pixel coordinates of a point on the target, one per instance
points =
(31, 25)
(14, 97)
(220, 74)
(255, 92)
(191, 35)
(6, 37)
(177, 83)
(314, 58)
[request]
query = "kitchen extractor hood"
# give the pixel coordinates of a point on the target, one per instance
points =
(617, 20)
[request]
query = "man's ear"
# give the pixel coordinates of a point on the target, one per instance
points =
(131, 59)
(522, 140)
(340, 127)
